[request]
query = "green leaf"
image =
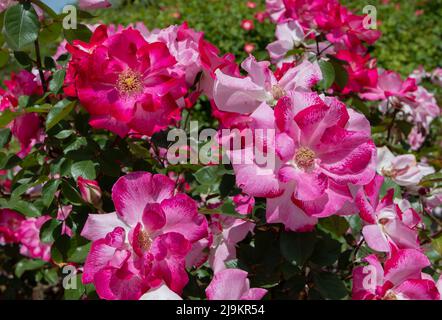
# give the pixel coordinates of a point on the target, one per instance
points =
(8, 161)
(7, 116)
(70, 193)
(51, 276)
(297, 247)
(326, 252)
(76, 145)
(23, 58)
(50, 33)
(26, 208)
(59, 249)
(85, 169)
(66, 249)
(18, 191)
(81, 33)
(209, 175)
(77, 290)
(5, 136)
(4, 57)
(437, 245)
(228, 209)
(27, 265)
(47, 230)
(57, 81)
(44, 108)
(227, 185)
(231, 264)
(59, 112)
(330, 286)
(341, 75)
(328, 74)
(64, 134)
(79, 253)
(21, 25)
(48, 192)
(390, 184)
(430, 180)
(49, 63)
(335, 224)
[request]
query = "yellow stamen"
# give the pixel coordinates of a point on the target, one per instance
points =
(129, 82)
(304, 158)
(144, 240)
(278, 92)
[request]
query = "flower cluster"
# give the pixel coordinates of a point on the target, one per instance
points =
(315, 183)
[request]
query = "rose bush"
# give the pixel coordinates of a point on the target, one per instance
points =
(347, 203)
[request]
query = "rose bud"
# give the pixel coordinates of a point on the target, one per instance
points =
(90, 191)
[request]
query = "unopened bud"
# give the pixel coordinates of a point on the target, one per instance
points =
(90, 191)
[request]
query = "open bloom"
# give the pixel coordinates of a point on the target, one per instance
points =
(387, 227)
(390, 85)
(232, 284)
(320, 149)
(289, 35)
(134, 80)
(143, 243)
(399, 278)
(245, 95)
(403, 169)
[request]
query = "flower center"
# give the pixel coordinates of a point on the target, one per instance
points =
(304, 158)
(129, 82)
(395, 103)
(390, 296)
(389, 173)
(393, 173)
(144, 240)
(278, 92)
